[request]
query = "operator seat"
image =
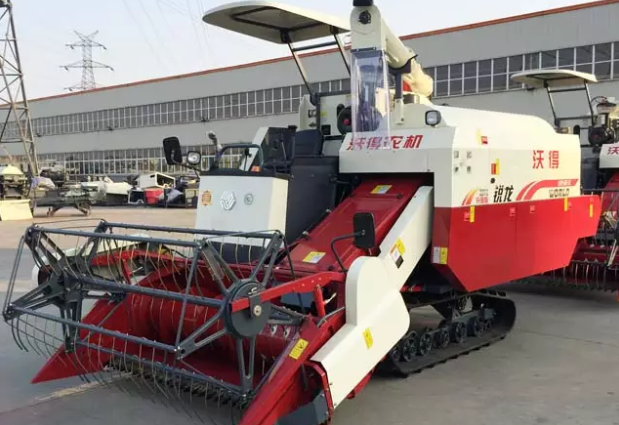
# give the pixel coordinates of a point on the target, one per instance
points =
(308, 143)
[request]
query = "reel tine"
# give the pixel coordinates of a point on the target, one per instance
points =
(132, 374)
(146, 381)
(155, 374)
(29, 338)
(16, 334)
(50, 348)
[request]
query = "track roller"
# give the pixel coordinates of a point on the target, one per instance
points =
(488, 317)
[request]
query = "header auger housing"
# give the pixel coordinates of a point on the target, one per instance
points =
(309, 261)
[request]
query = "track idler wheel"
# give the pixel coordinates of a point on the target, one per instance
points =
(475, 326)
(425, 344)
(441, 338)
(458, 332)
(396, 352)
(409, 347)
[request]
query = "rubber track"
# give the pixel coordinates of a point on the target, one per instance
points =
(504, 321)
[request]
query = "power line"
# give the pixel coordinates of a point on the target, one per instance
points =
(193, 24)
(87, 65)
(206, 41)
(178, 8)
(150, 46)
(194, 20)
(152, 24)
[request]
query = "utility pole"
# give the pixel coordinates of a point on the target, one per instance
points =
(87, 65)
(16, 125)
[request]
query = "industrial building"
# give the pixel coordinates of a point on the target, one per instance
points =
(118, 130)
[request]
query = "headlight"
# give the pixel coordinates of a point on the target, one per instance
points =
(193, 158)
(433, 118)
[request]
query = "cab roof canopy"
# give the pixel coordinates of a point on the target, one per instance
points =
(553, 78)
(275, 22)
(281, 24)
(559, 81)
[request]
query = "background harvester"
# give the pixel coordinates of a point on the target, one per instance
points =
(309, 262)
(594, 262)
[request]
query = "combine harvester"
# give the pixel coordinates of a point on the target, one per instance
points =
(310, 264)
(594, 265)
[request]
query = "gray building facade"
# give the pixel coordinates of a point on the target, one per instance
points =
(118, 130)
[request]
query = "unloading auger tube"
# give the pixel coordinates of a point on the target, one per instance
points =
(321, 259)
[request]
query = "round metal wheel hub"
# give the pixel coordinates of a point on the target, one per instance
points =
(425, 344)
(459, 332)
(475, 327)
(409, 347)
(250, 321)
(442, 338)
(396, 353)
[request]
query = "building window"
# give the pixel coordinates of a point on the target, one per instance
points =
(603, 60)
(499, 74)
(442, 81)
(455, 79)
(566, 58)
(470, 77)
(584, 59)
(549, 59)
(515, 65)
(485, 76)
(532, 61)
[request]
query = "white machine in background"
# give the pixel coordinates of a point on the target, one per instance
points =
(107, 191)
(14, 191)
(151, 181)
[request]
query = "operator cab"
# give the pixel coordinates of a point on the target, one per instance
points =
(323, 116)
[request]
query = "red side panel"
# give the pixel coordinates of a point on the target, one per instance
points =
(609, 199)
(383, 196)
(493, 244)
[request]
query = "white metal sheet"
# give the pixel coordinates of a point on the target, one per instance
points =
(554, 77)
(266, 20)
(242, 204)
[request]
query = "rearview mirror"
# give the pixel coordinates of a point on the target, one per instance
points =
(172, 150)
(365, 231)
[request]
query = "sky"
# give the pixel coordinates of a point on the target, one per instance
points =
(147, 39)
